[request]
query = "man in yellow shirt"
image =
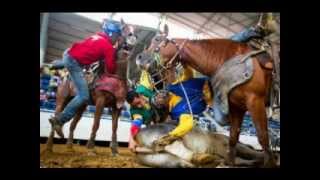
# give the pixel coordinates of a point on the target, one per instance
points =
(186, 97)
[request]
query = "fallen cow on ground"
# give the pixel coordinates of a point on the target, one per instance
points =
(187, 151)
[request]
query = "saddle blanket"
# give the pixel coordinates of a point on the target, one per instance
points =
(114, 85)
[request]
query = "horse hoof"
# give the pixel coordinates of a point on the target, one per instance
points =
(114, 148)
(48, 150)
(115, 154)
(92, 153)
(270, 163)
(69, 145)
(230, 162)
(114, 151)
(70, 149)
(90, 145)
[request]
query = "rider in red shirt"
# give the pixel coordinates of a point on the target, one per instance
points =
(94, 48)
(86, 52)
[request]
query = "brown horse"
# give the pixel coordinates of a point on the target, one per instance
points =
(207, 56)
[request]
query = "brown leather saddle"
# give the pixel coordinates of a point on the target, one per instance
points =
(264, 58)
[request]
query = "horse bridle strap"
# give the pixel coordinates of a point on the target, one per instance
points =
(169, 64)
(177, 53)
(252, 53)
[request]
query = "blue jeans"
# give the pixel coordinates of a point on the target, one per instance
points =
(81, 85)
(60, 64)
(245, 35)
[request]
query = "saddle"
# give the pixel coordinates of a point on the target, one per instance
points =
(114, 85)
(270, 61)
(106, 82)
(264, 58)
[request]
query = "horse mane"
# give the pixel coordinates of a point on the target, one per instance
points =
(225, 47)
(212, 52)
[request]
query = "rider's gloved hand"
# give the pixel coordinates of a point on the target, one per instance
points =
(159, 144)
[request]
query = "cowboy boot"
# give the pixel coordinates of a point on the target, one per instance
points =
(266, 26)
(56, 125)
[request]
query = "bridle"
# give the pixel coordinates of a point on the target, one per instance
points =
(172, 62)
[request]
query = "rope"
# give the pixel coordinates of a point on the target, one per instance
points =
(252, 53)
(188, 102)
(187, 98)
(177, 53)
(182, 87)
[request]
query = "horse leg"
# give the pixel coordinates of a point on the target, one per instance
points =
(73, 125)
(257, 109)
(236, 118)
(114, 142)
(100, 102)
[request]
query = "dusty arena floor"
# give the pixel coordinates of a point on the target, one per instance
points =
(62, 158)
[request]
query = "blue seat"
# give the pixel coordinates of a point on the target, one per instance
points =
(44, 82)
(125, 114)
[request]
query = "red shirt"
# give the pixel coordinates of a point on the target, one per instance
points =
(94, 48)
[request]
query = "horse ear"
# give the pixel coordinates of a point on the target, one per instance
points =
(103, 22)
(122, 22)
(166, 30)
(125, 28)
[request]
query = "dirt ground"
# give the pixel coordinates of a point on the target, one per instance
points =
(62, 158)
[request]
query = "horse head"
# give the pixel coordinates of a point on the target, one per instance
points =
(157, 56)
(128, 38)
(149, 58)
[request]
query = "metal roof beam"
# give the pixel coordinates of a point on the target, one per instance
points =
(172, 16)
(207, 21)
(222, 25)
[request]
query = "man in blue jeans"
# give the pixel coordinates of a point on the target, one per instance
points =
(265, 27)
(86, 52)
